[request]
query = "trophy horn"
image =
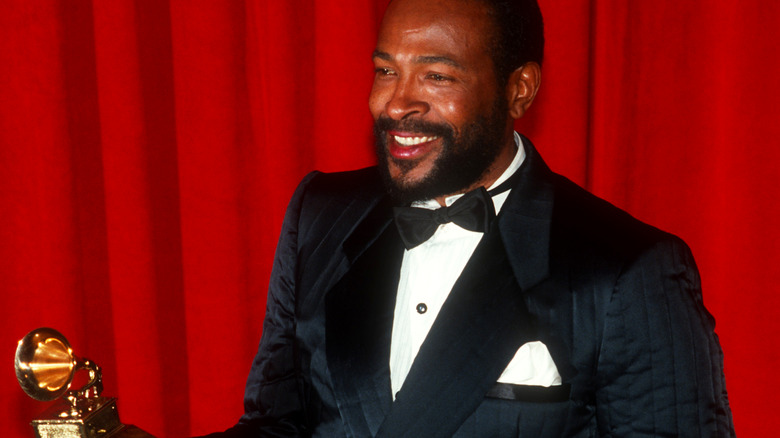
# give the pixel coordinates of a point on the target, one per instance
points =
(45, 366)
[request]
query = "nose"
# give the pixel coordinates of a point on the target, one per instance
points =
(406, 100)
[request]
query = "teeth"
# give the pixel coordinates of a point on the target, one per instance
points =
(412, 141)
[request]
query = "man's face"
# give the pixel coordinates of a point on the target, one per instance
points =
(441, 120)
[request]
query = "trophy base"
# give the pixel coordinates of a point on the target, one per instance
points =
(91, 418)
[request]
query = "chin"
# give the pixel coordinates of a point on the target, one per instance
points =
(408, 174)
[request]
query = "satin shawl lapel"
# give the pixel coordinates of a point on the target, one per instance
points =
(359, 321)
(526, 218)
(485, 318)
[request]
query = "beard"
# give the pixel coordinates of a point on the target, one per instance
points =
(465, 156)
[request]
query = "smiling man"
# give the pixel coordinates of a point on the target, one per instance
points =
(461, 288)
(442, 111)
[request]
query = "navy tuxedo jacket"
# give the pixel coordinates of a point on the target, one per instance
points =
(617, 302)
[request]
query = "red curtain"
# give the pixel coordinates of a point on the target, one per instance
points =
(148, 149)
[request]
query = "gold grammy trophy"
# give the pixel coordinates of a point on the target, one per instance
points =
(45, 367)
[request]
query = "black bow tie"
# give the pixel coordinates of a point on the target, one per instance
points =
(473, 211)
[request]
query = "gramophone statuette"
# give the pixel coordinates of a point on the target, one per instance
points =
(45, 366)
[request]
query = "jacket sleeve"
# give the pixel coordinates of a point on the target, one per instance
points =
(660, 367)
(273, 405)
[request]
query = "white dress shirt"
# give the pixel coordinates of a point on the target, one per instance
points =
(428, 272)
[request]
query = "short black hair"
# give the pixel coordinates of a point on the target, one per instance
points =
(518, 37)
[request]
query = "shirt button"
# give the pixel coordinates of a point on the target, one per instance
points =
(422, 308)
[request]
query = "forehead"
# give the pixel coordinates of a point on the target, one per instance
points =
(460, 28)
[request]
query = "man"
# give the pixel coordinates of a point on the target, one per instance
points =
(560, 316)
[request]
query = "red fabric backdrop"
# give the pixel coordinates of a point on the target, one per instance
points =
(148, 149)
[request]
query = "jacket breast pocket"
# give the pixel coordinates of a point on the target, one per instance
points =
(519, 411)
(530, 393)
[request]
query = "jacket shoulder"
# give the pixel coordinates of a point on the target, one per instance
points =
(584, 220)
(332, 204)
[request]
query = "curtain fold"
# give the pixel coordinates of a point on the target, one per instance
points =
(148, 150)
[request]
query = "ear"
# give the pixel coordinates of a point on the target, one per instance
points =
(522, 87)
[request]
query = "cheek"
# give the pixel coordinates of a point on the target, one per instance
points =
(456, 112)
(463, 107)
(377, 100)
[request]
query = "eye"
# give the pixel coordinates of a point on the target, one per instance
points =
(438, 77)
(383, 71)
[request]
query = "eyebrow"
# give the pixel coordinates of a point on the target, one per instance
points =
(426, 59)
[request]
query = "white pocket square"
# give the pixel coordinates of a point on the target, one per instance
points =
(532, 365)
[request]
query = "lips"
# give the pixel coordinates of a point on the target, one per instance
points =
(407, 146)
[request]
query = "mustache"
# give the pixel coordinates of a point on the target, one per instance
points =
(384, 124)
